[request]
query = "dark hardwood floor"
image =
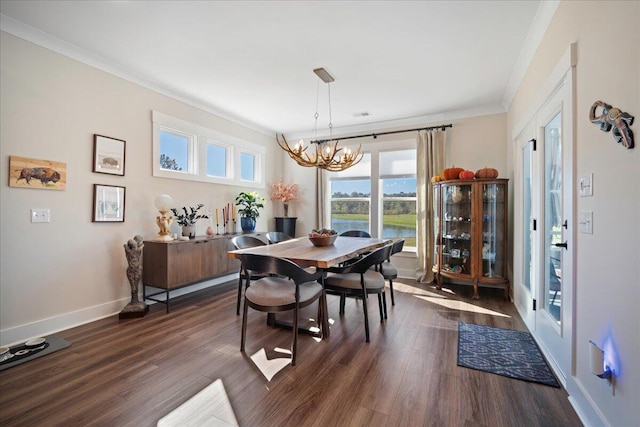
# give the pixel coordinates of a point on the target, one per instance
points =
(134, 372)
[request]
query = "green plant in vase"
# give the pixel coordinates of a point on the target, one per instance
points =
(249, 205)
(187, 218)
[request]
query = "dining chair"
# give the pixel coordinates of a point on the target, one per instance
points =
(277, 237)
(284, 287)
(388, 270)
(355, 233)
(242, 242)
(359, 280)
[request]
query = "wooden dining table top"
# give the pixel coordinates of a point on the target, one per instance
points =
(302, 252)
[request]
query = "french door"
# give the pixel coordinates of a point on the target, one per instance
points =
(545, 227)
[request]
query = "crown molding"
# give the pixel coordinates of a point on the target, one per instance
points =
(40, 38)
(544, 15)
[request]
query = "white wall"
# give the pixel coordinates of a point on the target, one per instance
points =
(607, 287)
(71, 270)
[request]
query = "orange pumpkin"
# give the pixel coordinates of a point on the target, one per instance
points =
(467, 175)
(487, 173)
(451, 173)
(436, 178)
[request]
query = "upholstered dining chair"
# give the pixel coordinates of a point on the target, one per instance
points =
(355, 233)
(242, 242)
(359, 280)
(285, 287)
(277, 237)
(388, 270)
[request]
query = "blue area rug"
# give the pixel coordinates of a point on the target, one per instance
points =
(505, 352)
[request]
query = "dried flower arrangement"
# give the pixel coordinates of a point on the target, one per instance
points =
(285, 193)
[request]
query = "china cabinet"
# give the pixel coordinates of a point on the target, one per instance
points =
(470, 230)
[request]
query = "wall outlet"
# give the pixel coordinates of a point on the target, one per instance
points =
(40, 215)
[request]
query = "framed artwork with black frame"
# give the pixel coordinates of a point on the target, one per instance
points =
(108, 203)
(108, 155)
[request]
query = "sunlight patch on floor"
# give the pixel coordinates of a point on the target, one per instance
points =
(461, 306)
(210, 407)
(401, 287)
(270, 367)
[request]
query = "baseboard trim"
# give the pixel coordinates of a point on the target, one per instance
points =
(19, 334)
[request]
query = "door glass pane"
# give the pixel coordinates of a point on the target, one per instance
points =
(436, 225)
(553, 215)
(527, 218)
(493, 226)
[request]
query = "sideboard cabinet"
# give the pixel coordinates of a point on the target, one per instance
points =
(172, 265)
(470, 229)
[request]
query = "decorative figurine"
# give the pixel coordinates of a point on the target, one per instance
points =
(133, 251)
(616, 119)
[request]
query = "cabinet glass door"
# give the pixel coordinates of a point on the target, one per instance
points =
(436, 225)
(493, 226)
(456, 229)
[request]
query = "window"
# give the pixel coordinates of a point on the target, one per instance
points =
(217, 159)
(183, 150)
(398, 185)
(176, 150)
(378, 195)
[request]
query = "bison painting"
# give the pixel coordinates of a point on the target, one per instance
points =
(45, 175)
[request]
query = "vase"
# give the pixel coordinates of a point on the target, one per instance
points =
(189, 230)
(247, 223)
(286, 209)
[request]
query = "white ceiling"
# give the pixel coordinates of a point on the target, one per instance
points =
(252, 61)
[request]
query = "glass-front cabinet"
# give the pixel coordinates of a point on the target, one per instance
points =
(470, 217)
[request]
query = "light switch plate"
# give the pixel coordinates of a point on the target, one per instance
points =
(585, 222)
(585, 185)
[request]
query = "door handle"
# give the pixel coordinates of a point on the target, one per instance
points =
(561, 245)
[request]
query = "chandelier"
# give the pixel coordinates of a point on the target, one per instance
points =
(326, 153)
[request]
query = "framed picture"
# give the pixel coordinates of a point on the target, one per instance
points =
(108, 155)
(38, 174)
(108, 203)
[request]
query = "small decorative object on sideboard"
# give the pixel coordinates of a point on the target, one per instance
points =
(286, 193)
(616, 119)
(163, 203)
(249, 203)
(133, 251)
(188, 219)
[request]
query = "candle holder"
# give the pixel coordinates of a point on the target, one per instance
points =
(217, 233)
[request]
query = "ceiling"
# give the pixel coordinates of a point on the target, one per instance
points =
(252, 61)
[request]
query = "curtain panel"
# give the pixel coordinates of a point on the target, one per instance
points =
(430, 161)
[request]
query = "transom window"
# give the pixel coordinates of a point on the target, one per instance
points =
(184, 150)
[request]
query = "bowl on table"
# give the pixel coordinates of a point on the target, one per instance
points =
(326, 240)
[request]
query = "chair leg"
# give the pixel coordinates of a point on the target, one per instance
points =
(239, 295)
(295, 337)
(393, 301)
(244, 325)
(380, 307)
(384, 303)
(366, 318)
(343, 298)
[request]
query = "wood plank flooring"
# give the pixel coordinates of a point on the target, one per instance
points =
(134, 372)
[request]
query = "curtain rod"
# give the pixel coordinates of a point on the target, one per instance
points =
(375, 135)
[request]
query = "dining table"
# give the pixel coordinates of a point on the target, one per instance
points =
(302, 252)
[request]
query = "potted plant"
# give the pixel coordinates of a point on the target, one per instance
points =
(249, 205)
(188, 219)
